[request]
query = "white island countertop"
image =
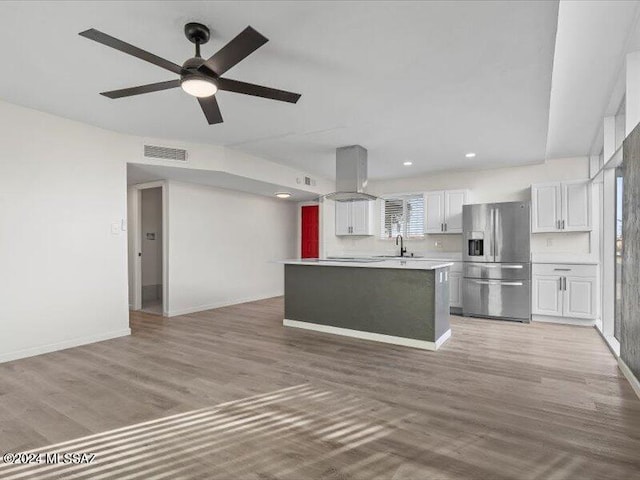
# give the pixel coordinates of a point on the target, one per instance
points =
(408, 264)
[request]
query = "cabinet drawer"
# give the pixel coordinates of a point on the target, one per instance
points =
(566, 270)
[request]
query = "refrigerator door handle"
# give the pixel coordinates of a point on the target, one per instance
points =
(491, 265)
(494, 221)
(498, 282)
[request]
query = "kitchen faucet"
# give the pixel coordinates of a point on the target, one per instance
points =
(403, 250)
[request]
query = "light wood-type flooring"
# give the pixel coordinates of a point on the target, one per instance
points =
(231, 394)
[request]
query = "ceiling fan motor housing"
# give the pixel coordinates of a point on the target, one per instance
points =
(190, 70)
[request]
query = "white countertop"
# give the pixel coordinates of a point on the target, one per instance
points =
(407, 264)
(431, 256)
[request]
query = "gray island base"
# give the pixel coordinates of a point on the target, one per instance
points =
(399, 302)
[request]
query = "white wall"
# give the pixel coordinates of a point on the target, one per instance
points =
(223, 244)
(492, 185)
(151, 203)
(62, 271)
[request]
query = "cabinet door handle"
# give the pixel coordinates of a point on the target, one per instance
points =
(563, 283)
(561, 269)
(445, 227)
(563, 224)
(560, 283)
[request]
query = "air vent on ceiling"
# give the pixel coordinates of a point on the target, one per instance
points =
(166, 153)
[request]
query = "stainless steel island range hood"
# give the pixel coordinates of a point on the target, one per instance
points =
(351, 175)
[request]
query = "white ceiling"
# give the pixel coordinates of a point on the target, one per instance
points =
(142, 173)
(593, 38)
(419, 81)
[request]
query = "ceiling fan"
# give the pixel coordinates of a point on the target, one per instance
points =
(199, 77)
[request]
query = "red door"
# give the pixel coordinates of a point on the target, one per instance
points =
(310, 232)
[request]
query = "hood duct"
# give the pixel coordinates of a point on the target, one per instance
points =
(351, 175)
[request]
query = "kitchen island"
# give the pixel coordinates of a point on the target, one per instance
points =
(399, 301)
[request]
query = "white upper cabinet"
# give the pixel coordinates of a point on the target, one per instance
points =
(453, 202)
(343, 218)
(576, 206)
(434, 212)
(561, 207)
(361, 213)
(443, 211)
(354, 218)
(546, 207)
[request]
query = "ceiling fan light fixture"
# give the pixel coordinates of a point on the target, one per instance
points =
(198, 85)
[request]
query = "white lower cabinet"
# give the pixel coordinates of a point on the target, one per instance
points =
(455, 285)
(579, 297)
(455, 289)
(547, 295)
(561, 290)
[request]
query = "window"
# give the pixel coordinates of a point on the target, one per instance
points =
(619, 248)
(403, 215)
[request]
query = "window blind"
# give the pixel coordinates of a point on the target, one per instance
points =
(402, 215)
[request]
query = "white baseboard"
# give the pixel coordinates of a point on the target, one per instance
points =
(626, 371)
(443, 338)
(598, 324)
(53, 347)
(220, 304)
(376, 337)
(584, 322)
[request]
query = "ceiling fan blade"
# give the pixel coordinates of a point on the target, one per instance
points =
(236, 86)
(211, 109)
(125, 47)
(247, 42)
(152, 87)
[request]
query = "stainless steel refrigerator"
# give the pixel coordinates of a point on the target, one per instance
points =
(497, 261)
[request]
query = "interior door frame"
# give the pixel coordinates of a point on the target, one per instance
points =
(136, 229)
(299, 227)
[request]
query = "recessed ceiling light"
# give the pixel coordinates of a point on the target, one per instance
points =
(283, 194)
(470, 155)
(407, 164)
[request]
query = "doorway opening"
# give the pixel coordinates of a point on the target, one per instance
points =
(148, 261)
(151, 241)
